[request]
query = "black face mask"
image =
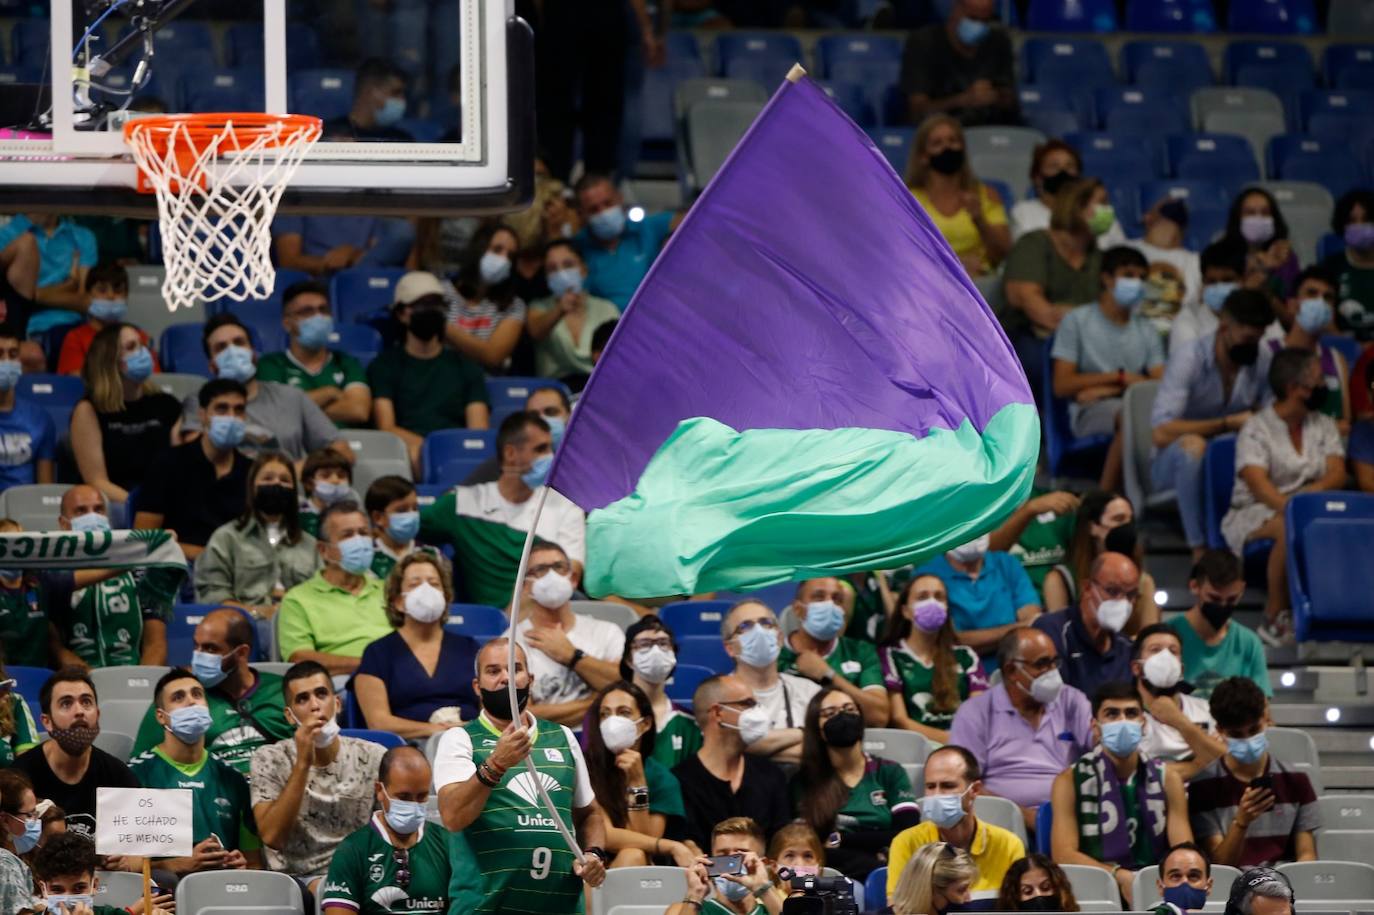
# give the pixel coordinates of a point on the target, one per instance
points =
(1052, 184)
(1216, 614)
(427, 323)
(273, 498)
(1243, 353)
(1040, 904)
(1121, 539)
(948, 161)
(496, 702)
(843, 731)
(1317, 399)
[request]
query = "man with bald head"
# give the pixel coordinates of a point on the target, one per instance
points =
(1027, 729)
(245, 704)
(818, 651)
(1088, 635)
(753, 639)
(397, 854)
(112, 618)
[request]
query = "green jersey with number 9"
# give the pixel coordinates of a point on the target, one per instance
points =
(512, 859)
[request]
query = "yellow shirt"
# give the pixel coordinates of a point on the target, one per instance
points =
(959, 229)
(994, 849)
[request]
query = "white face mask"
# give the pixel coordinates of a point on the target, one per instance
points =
(327, 732)
(654, 664)
(619, 733)
(1046, 687)
(552, 590)
(972, 551)
(1162, 669)
(754, 725)
(425, 603)
(1113, 614)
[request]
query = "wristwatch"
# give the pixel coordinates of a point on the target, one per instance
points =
(578, 654)
(638, 796)
(828, 679)
(599, 852)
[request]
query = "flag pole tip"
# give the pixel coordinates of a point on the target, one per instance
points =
(796, 73)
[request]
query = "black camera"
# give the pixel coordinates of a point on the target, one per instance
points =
(819, 895)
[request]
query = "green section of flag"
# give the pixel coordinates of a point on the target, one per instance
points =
(717, 509)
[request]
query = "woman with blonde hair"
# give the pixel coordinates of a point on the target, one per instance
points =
(124, 421)
(936, 878)
(968, 213)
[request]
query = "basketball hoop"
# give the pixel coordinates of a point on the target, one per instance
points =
(218, 179)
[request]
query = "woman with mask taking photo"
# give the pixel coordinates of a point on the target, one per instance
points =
(649, 661)
(855, 801)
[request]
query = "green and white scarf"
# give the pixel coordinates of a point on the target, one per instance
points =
(151, 551)
(1103, 833)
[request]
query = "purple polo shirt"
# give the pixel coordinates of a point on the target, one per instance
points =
(1018, 763)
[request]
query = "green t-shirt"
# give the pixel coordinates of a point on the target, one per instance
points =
(310, 521)
(665, 794)
(219, 796)
(362, 873)
(339, 371)
(1352, 282)
(883, 791)
(907, 674)
(715, 907)
(677, 740)
(486, 553)
(870, 617)
(427, 394)
(1044, 543)
(104, 625)
(1033, 259)
(1239, 654)
(236, 728)
(25, 732)
(24, 624)
(852, 659)
(511, 859)
(383, 562)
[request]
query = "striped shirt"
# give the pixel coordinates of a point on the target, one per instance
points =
(481, 319)
(1214, 796)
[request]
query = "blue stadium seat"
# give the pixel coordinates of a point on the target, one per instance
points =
(1339, 57)
(476, 619)
(385, 738)
(424, 130)
(1134, 110)
(1044, 823)
(1218, 480)
(1047, 112)
(58, 395)
(657, 124)
(1170, 16)
(1120, 161)
(243, 46)
(29, 40)
(681, 46)
(449, 455)
(875, 890)
(1300, 158)
(428, 493)
(1335, 114)
(1065, 453)
(222, 90)
(1329, 577)
(357, 340)
(325, 93)
(705, 651)
(1348, 347)
(181, 631)
(695, 617)
(30, 681)
(764, 57)
(508, 394)
(877, 80)
(1070, 62)
(862, 50)
(359, 292)
(1003, 190)
(1355, 76)
(851, 99)
(1206, 200)
(1329, 244)
(184, 39)
(684, 682)
(1272, 17)
(895, 145)
(1284, 68)
(1226, 159)
(1071, 16)
(1176, 67)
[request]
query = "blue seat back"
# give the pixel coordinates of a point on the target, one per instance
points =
(895, 145)
(1303, 158)
(1206, 200)
(1335, 113)
(1288, 55)
(1135, 110)
(1218, 479)
(1048, 112)
(181, 631)
(1225, 159)
(357, 340)
(325, 92)
(1170, 16)
(58, 395)
(695, 617)
(222, 90)
(449, 455)
(875, 890)
(857, 49)
(358, 292)
(852, 99)
(1338, 57)
(508, 394)
(1328, 536)
(1272, 17)
(705, 651)
(681, 46)
(1071, 16)
(1120, 162)
(1074, 62)
(764, 57)
(28, 683)
(243, 46)
(476, 619)
(657, 123)
(1169, 66)
(1044, 822)
(684, 682)
(385, 738)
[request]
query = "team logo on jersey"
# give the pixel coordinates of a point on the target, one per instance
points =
(850, 667)
(375, 873)
(553, 754)
(376, 857)
(388, 896)
(677, 742)
(526, 789)
(878, 798)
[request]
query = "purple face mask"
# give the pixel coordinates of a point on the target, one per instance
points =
(1360, 235)
(929, 615)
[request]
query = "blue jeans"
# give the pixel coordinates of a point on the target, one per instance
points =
(1173, 468)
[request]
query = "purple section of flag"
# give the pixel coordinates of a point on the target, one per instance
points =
(806, 289)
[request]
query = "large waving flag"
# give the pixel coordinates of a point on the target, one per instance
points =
(806, 382)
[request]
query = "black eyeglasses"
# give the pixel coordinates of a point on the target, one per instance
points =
(401, 858)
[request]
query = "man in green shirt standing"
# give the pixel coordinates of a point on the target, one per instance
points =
(1038, 533)
(222, 828)
(816, 650)
(245, 704)
(335, 381)
(26, 628)
(510, 857)
(397, 862)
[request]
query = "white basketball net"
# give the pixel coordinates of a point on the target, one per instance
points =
(216, 196)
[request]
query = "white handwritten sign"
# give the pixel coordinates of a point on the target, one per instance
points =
(143, 821)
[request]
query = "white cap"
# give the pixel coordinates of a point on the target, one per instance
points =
(416, 285)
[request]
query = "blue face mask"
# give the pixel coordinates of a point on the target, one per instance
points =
(10, 370)
(329, 493)
(1187, 897)
(538, 472)
(403, 526)
(1314, 315)
(236, 364)
(1120, 738)
(1128, 291)
(735, 892)
(355, 554)
(33, 831)
(313, 332)
(556, 429)
(561, 282)
(608, 224)
(91, 522)
(1249, 750)
(824, 620)
(404, 816)
(392, 110)
(108, 310)
(138, 365)
(944, 810)
(1214, 294)
(189, 723)
(226, 431)
(759, 647)
(208, 668)
(55, 904)
(495, 268)
(972, 32)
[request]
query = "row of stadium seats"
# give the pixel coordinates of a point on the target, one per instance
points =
(239, 45)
